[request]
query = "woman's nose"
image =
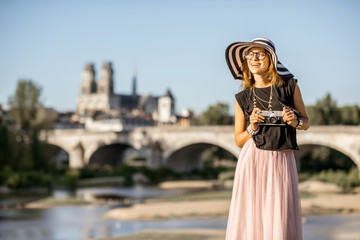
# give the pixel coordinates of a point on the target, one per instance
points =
(256, 56)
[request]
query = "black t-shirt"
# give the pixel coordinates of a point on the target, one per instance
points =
(271, 137)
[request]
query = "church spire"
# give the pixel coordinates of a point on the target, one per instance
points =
(134, 83)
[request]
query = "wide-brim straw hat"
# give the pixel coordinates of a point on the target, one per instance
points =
(235, 55)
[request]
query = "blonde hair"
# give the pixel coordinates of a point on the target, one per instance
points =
(248, 79)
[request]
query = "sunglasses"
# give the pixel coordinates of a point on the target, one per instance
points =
(259, 55)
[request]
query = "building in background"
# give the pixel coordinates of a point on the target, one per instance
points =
(100, 109)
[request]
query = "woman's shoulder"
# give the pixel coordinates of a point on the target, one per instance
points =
(243, 98)
(243, 94)
(290, 82)
(288, 86)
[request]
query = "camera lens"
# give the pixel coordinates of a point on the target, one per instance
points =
(273, 119)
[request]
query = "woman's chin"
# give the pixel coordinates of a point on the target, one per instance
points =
(261, 73)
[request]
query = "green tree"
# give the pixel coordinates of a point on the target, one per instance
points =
(6, 143)
(217, 114)
(324, 112)
(350, 115)
(29, 117)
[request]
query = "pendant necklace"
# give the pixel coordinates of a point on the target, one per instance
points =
(260, 99)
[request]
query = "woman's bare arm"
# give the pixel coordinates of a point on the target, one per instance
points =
(241, 134)
(299, 106)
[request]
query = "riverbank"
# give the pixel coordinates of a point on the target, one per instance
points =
(203, 205)
(212, 204)
(331, 203)
(193, 234)
(50, 202)
(316, 198)
(331, 227)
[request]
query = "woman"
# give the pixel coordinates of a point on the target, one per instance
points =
(265, 203)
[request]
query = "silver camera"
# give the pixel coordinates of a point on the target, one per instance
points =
(272, 118)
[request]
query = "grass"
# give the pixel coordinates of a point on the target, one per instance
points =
(54, 202)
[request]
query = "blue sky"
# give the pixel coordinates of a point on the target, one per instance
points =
(176, 44)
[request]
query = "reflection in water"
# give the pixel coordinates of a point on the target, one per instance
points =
(136, 192)
(86, 222)
(336, 227)
(78, 222)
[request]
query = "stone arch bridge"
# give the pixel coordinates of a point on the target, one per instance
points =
(180, 148)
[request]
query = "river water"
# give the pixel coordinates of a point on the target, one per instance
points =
(86, 222)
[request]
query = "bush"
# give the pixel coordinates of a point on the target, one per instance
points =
(304, 176)
(38, 179)
(353, 177)
(227, 175)
(158, 175)
(88, 173)
(13, 181)
(72, 177)
(28, 179)
(346, 180)
(5, 173)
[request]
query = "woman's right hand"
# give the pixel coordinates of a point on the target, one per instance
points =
(256, 118)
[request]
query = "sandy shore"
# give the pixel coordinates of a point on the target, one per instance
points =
(316, 198)
(331, 203)
(178, 234)
(323, 203)
(168, 210)
(315, 204)
(319, 198)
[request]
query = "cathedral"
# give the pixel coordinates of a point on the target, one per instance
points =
(99, 108)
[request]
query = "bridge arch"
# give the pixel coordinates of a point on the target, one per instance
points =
(187, 155)
(56, 154)
(177, 146)
(109, 154)
(346, 150)
(58, 144)
(81, 143)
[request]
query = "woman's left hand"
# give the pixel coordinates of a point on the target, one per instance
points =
(289, 117)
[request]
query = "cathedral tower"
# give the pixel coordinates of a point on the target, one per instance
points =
(106, 82)
(88, 84)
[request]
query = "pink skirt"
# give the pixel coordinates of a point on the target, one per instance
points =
(265, 203)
